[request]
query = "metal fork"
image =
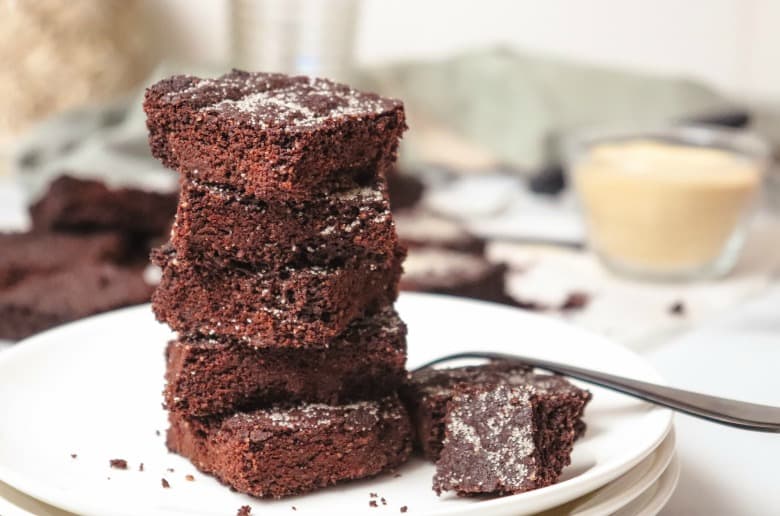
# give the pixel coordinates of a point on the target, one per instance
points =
(740, 414)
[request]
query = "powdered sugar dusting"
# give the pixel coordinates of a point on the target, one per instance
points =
(274, 100)
(489, 444)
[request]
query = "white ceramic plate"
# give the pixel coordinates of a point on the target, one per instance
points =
(623, 490)
(606, 500)
(93, 388)
(657, 496)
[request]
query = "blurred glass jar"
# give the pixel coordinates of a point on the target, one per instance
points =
(670, 203)
(308, 37)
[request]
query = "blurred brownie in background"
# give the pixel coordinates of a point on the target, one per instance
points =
(405, 190)
(444, 271)
(86, 205)
(44, 301)
(417, 228)
(30, 254)
(86, 254)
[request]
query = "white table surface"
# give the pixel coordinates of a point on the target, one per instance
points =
(725, 471)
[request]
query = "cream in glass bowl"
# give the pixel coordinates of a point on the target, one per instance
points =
(668, 203)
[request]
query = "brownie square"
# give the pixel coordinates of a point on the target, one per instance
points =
(405, 189)
(417, 228)
(28, 254)
(41, 302)
(286, 308)
(454, 273)
(500, 439)
(270, 135)
(283, 451)
(85, 205)
(429, 391)
(219, 224)
(208, 376)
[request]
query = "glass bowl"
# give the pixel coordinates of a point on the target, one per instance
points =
(667, 203)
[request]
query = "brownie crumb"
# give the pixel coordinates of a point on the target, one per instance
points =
(373, 503)
(169, 470)
(118, 463)
(404, 508)
(294, 508)
(165, 484)
(141, 467)
(244, 510)
(373, 495)
(73, 456)
(678, 309)
(384, 502)
(575, 301)
(189, 478)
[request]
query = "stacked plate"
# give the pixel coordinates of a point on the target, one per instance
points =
(76, 397)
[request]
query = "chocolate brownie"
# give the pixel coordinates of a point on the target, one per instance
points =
(428, 392)
(283, 451)
(270, 135)
(216, 223)
(420, 229)
(41, 302)
(208, 376)
(85, 205)
(442, 271)
(27, 254)
(288, 307)
(505, 439)
(405, 190)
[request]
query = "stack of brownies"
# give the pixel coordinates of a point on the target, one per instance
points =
(279, 279)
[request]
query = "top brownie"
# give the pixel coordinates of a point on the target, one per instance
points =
(272, 135)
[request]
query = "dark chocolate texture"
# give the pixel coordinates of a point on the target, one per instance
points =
(208, 376)
(283, 451)
(288, 307)
(270, 135)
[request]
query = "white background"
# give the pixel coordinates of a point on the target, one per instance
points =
(732, 44)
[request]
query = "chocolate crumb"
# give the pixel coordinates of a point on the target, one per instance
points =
(294, 508)
(372, 495)
(169, 470)
(373, 503)
(244, 510)
(404, 508)
(165, 484)
(189, 478)
(575, 301)
(157, 433)
(677, 308)
(118, 463)
(384, 502)
(141, 467)
(73, 455)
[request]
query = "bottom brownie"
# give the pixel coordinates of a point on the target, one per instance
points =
(503, 439)
(286, 451)
(41, 302)
(209, 376)
(428, 393)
